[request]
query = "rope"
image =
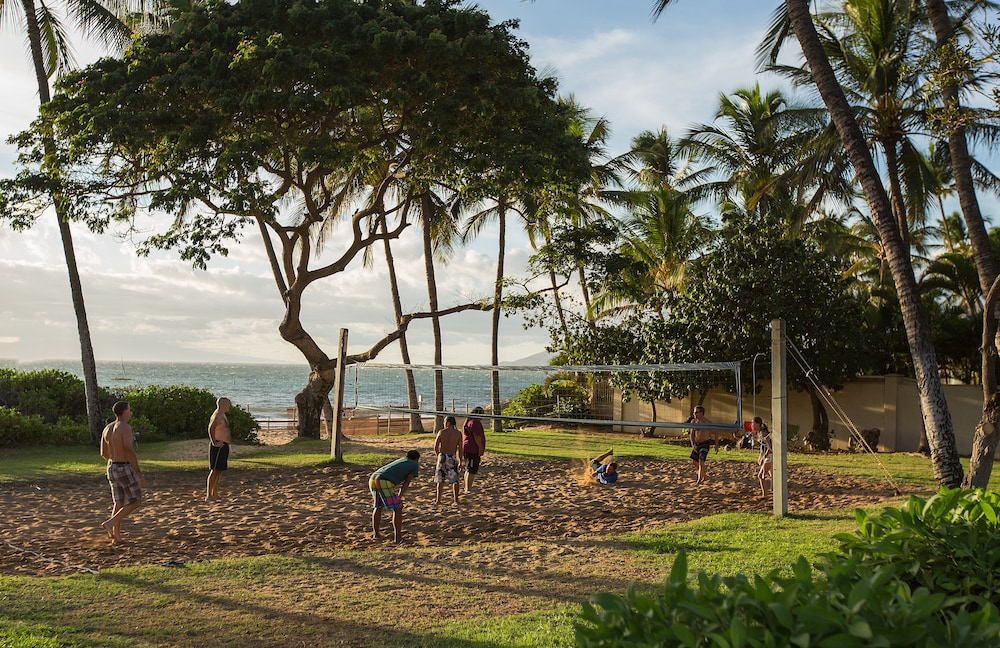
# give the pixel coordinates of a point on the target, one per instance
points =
(51, 560)
(834, 405)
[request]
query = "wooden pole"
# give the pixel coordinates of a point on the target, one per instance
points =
(336, 451)
(779, 417)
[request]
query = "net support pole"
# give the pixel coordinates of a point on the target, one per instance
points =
(779, 415)
(336, 451)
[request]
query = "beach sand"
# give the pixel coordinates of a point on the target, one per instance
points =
(318, 510)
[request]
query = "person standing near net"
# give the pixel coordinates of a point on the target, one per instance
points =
(383, 485)
(124, 476)
(701, 440)
(218, 451)
(766, 457)
(473, 446)
(446, 447)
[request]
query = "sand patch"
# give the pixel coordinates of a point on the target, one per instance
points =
(317, 510)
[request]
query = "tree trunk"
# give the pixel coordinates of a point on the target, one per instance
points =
(416, 422)
(310, 401)
(934, 407)
(95, 424)
(987, 435)
(819, 433)
(961, 161)
(984, 441)
(427, 210)
(495, 331)
(896, 193)
(322, 369)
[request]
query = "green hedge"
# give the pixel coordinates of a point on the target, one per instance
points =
(181, 412)
(48, 393)
(562, 396)
(922, 576)
(48, 407)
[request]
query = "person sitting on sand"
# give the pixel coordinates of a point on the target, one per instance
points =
(446, 447)
(473, 446)
(701, 441)
(123, 470)
(220, 436)
(604, 473)
(383, 485)
(766, 457)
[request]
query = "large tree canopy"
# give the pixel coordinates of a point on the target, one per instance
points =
(752, 276)
(257, 112)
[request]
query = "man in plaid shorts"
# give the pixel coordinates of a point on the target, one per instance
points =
(383, 485)
(123, 470)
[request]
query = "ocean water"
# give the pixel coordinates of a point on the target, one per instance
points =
(268, 390)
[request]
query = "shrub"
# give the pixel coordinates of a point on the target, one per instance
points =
(559, 396)
(871, 437)
(923, 575)
(67, 431)
(181, 412)
(16, 427)
(949, 543)
(818, 440)
(842, 607)
(49, 393)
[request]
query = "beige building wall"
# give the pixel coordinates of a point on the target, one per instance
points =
(889, 403)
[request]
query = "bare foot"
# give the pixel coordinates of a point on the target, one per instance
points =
(109, 529)
(374, 536)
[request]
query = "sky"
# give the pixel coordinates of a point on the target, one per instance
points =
(612, 56)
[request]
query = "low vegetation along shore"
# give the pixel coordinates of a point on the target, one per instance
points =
(285, 560)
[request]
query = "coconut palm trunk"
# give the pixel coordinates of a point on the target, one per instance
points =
(427, 214)
(416, 423)
(934, 407)
(497, 300)
(94, 422)
(987, 435)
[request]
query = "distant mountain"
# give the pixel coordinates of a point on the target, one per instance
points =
(541, 358)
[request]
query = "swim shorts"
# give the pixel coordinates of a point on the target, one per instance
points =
(384, 493)
(218, 457)
(472, 462)
(700, 452)
(446, 470)
(124, 484)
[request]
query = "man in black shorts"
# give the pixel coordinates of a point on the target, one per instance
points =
(218, 453)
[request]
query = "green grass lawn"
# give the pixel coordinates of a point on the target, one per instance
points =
(491, 594)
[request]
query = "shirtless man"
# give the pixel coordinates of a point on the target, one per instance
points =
(701, 440)
(218, 453)
(446, 447)
(123, 470)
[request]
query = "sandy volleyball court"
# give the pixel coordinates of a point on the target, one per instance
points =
(319, 509)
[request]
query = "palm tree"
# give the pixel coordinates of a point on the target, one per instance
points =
(937, 418)
(661, 232)
(110, 23)
(987, 435)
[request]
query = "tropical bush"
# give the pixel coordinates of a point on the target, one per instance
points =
(949, 543)
(16, 427)
(48, 407)
(49, 393)
(870, 436)
(923, 575)
(560, 396)
(182, 412)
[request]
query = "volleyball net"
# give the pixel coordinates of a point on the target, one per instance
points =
(585, 395)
